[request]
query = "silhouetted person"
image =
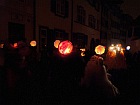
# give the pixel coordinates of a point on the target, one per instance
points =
(65, 75)
(96, 82)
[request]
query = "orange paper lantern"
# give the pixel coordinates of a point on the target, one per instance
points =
(99, 49)
(33, 43)
(56, 43)
(1, 45)
(65, 47)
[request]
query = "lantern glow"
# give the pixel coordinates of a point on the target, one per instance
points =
(1, 45)
(113, 50)
(15, 45)
(128, 48)
(99, 49)
(33, 43)
(82, 51)
(56, 43)
(65, 47)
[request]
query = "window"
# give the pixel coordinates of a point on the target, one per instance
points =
(42, 37)
(92, 2)
(81, 15)
(22, 0)
(103, 35)
(16, 31)
(60, 7)
(60, 34)
(97, 6)
(44, 32)
(91, 21)
(79, 39)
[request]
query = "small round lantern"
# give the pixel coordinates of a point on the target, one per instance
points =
(33, 43)
(15, 45)
(65, 47)
(99, 49)
(56, 43)
(1, 45)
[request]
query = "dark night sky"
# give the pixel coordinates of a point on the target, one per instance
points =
(131, 7)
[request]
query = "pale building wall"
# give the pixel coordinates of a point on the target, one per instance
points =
(92, 33)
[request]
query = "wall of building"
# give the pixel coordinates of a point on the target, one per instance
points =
(15, 11)
(22, 12)
(85, 29)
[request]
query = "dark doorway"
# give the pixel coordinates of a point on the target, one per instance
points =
(16, 31)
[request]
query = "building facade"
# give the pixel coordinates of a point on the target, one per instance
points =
(74, 20)
(86, 23)
(16, 20)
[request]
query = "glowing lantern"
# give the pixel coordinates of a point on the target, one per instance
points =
(1, 45)
(33, 43)
(56, 43)
(99, 49)
(65, 47)
(128, 48)
(82, 51)
(15, 45)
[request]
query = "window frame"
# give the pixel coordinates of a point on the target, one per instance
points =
(81, 14)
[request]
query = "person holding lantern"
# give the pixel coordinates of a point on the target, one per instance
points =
(115, 58)
(96, 80)
(66, 70)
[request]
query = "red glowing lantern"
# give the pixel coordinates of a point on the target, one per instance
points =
(99, 49)
(15, 45)
(65, 47)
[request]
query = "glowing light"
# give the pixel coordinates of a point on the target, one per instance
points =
(1, 45)
(113, 50)
(99, 49)
(15, 45)
(111, 47)
(128, 48)
(82, 51)
(56, 43)
(112, 44)
(33, 43)
(65, 47)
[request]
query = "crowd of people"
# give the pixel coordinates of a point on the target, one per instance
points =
(30, 78)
